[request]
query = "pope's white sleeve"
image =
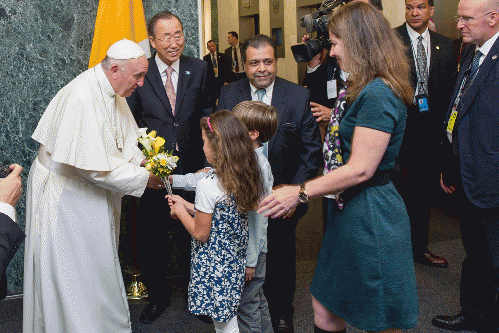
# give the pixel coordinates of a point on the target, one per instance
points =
(127, 179)
(138, 156)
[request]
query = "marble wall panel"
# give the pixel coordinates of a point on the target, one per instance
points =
(44, 44)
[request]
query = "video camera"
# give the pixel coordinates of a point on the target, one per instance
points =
(317, 21)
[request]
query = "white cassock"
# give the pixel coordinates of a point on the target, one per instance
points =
(88, 159)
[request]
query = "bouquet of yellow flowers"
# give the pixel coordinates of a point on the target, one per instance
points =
(160, 162)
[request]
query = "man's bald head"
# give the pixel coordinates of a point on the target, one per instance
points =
(478, 20)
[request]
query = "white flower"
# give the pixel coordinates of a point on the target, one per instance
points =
(146, 142)
(143, 132)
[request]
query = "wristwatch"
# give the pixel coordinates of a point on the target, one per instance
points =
(302, 196)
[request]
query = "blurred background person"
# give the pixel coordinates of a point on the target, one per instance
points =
(219, 70)
(233, 55)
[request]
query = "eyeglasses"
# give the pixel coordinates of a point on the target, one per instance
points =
(465, 20)
(169, 40)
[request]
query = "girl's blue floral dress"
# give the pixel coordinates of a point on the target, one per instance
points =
(218, 265)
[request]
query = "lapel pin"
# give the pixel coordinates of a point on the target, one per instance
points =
(494, 57)
(187, 73)
(438, 47)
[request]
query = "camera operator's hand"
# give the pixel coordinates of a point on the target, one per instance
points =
(11, 186)
(320, 112)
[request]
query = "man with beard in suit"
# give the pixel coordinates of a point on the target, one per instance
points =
(172, 101)
(294, 154)
(433, 69)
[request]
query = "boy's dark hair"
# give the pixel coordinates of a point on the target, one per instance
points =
(258, 116)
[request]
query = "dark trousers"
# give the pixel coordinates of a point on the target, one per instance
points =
(279, 287)
(416, 185)
(163, 244)
(480, 271)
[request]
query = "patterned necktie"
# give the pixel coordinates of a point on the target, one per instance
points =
(259, 94)
(475, 64)
(170, 91)
(236, 60)
(422, 73)
(214, 60)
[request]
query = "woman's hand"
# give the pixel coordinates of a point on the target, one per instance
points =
(281, 201)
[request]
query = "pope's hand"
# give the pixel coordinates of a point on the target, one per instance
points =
(11, 186)
(155, 182)
(282, 200)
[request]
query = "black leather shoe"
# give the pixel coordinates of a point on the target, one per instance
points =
(459, 322)
(152, 311)
(285, 325)
(429, 259)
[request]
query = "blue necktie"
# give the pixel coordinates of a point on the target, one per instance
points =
(260, 93)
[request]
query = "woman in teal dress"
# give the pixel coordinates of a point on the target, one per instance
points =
(365, 272)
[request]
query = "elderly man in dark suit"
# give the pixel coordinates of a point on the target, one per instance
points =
(294, 154)
(433, 69)
(172, 101)
(11, 236)
(219, 70)
(471, 174)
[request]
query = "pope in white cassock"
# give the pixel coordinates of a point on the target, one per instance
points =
(88, 159)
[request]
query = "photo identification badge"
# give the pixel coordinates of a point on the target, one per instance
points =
(332, 91)
(422, 101)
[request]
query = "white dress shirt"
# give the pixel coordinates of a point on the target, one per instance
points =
(267, 98)
(8, 210)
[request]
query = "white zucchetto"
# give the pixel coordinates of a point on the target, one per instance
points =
(125, 49)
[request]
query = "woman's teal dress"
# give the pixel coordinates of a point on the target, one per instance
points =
(365, 271)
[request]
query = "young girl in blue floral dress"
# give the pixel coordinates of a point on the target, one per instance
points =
(218, 222)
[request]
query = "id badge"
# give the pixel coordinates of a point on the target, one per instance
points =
(332, 91)
(422, 101)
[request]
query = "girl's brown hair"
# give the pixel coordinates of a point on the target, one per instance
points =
(372, 49)
(234, 158)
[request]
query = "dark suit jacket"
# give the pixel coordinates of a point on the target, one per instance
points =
(228, 56)
(151, 108)
(295, 153)
(423, 133)
(476, 130)
(216, 83)
(223, 67)
(11, 236)
(316, 82)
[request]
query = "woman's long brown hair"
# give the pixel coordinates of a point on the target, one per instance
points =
(234, 158)
(372, 49)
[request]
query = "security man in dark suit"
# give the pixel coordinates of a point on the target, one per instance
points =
(219, 69)
(471, 172)
(234, 56)
(433, 70)
(294, 154)
(11, 236)
(172, 101)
